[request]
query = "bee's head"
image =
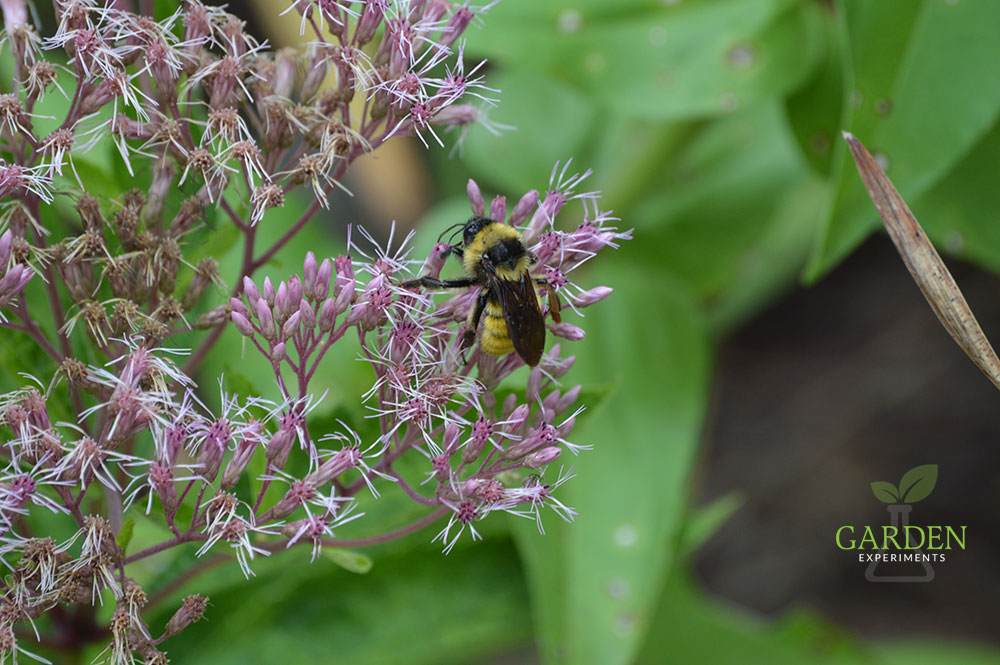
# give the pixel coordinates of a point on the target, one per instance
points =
(468, 230)
(473, 227)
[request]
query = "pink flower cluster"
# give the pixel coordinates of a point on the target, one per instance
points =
(116, 426)
(430, 398)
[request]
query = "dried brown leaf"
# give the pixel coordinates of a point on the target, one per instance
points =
(924, 264)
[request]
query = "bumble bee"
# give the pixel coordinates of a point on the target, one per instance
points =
(496, 260)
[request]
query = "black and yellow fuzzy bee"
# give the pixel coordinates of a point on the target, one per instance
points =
(496, 260)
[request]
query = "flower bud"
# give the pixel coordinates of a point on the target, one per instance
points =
(236, 305)
(481, 431)
(538, 437)
(242, 324)
(210, 458)
(435, 10)
(267, 292)
(212, 317)
(281, 301)
(435, 262)
(250, 291)
(280, 444)
(161, 477)
(475, 198)
(567, 331)
(189, 213)
(173, 442)
(550, 400)
(441, 467)
(298, 494)
(344, 282)
(457, 24)
(566, 428)
(16, 279)
(517, 418)
(498, 209)
(534, 384)
(371, 17)
(285, 66)
(205, 273)
(456, 115)
(294, 294)
(542, 457)
(192, 609)
(159, 189)
(278, 352)
(328, 315)
(564, 366)
(265, 320)
(524, 208)
(321, 288)
(568, 399)
(547, 211)
(594, 295)
(6, 243)
(315, 75)
(372, 310)
(291, 326)
(307, 315)
(509, 403)
(78, 276)
(450, 441)
(310, 269)
(342, 461)
(239, 461)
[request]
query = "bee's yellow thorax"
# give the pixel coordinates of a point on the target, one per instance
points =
(491, 235)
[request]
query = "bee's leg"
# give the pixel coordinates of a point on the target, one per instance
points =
(433, 283)
(472, 325)
(554, 305)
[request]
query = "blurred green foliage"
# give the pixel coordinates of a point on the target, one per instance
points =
(713, 128)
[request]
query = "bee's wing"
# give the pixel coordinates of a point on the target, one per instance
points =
(525, 325)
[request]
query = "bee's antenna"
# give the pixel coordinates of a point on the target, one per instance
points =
(453, 226)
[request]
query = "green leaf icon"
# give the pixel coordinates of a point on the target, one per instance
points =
(917, 483)
(885, 492)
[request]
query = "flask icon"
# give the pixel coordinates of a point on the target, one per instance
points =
(885, 569)
(903, 562)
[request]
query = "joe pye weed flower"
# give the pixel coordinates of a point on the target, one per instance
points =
(109, 425)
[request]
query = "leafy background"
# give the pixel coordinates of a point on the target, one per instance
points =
(713, 128)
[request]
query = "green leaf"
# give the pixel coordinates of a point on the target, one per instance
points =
(236, 382)
(551, 121)
(690, 628)
(917, 483)
(691, 60)
(416, 606)
(910, 63)
(814, 110)
(922, 652)
(705, 521)
(735, 214)
(958, 213)
(124, 536)
(350, 560)
(595, 581)
(885, 492)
